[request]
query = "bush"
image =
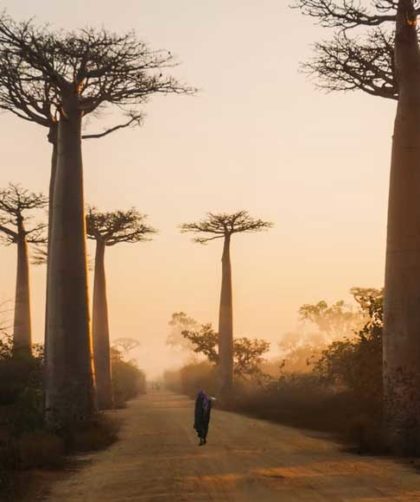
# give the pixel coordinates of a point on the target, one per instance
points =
(19, 373)
(127, 379)
(356, 364)
(191, 378)
(40, 449)
(94, 435)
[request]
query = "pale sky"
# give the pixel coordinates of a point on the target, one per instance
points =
(258, 136)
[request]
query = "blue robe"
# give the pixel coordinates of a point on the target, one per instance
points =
(202, 414)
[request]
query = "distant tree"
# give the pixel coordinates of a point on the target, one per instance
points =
(81, 73)
(127, 379)
(247, 353)
(125, 345)
(333, 321)
(383, 59)
(223, 226)
(15, 203)
(180, 322)
(108, 229)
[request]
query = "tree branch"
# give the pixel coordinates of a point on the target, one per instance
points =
(135, 119)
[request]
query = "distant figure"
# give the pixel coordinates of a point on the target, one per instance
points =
(202, 416)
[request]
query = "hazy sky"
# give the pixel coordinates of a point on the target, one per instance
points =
(258, 136)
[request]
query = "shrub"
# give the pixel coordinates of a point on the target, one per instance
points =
(127, 379)
(191, 378)
(196, 376)
(93, 435)
(172, 380)
(356, 364)
(40, 449)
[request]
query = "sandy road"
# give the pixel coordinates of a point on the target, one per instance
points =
(157, 459)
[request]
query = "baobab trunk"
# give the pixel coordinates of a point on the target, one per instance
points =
(53, 139)
(226, 324)
(22, 332)
(69, 371)
(402, 282)
(101, 350)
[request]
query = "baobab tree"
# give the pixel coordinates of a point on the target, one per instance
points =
(35, 100)
(223, 226)
(15, 203)
(81, 72)
(108, 229)
(383, 59)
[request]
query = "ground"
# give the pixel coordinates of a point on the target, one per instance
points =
(158, 459)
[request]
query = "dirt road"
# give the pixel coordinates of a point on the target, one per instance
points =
(157, 459)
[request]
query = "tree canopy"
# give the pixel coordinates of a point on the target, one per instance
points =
(247, 353)
(15, 202)
(364, 61)
(114, 227)
(41, 68)
(220, 225)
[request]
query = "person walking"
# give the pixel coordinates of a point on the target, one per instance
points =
(202, 416)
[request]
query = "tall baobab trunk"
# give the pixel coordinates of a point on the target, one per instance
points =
(53, 139)
(226, 324)
(402, 282)
(69, 372)
(101, 348)
(22, 332)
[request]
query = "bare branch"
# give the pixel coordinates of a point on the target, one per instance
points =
(40, 255)
(343, 64)
(37, 234)
(364, 62)
(135, 119)
(347, 14)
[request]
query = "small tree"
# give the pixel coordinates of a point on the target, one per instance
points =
(223, 226)
(15, 203)
(247, 353)
(108, 229)
(180, 322)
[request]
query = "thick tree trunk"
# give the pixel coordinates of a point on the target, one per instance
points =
(101, 348)
(22, 331)
(53, 139)
(402, 281)
(69, 369)
(226, 324)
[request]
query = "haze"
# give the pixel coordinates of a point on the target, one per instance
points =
(258, 136)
